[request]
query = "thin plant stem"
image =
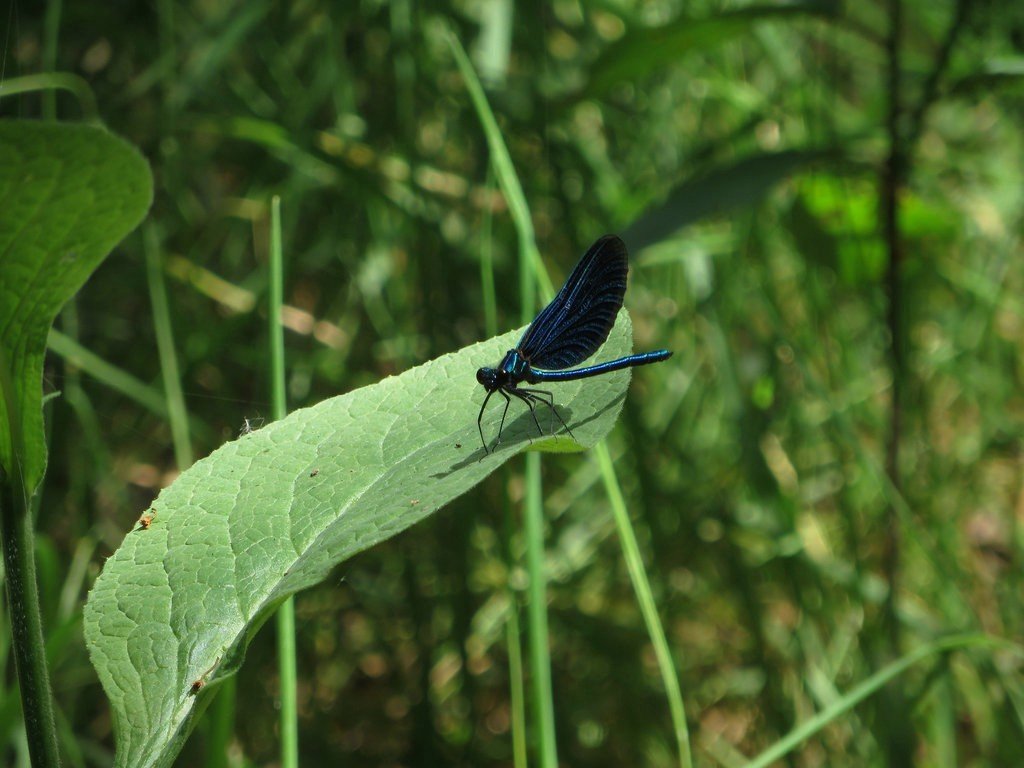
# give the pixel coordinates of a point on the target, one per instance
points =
(285, 618)
(645, 598)
(26, 621)
(111, 376)
(24, 615)
(897, 731)
(505, 171)
(64, 81)
(513, 643)
(51, 31)
(119, 380)
(279, 399)
(487, 264)
(176, 410)
(537, 623)
(891, 180)
(222, 725)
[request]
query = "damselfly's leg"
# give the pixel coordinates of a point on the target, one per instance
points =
(543, 396)
(524, 395)
(501, 425)
(479, 421)
(504, 413)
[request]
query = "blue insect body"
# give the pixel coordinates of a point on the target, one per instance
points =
(566, 332)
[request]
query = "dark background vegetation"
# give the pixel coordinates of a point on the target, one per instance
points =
(752, 161)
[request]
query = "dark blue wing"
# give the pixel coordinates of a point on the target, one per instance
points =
(579, 318)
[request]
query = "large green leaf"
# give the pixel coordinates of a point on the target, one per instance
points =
(737, 185)
(274, 511)
(69, 194)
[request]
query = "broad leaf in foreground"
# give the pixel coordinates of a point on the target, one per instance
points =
(274, 511)
(68, 195)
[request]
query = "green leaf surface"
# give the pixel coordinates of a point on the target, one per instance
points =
(273, 512)
(642, 51)
(69, 194)
(739, 184)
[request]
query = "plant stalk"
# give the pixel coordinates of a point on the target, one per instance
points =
(648, 607)
(23, 594)
(27, 624)
(898, 733)
(537, 611)
(285, 618)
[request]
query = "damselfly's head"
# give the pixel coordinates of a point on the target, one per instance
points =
(488, 378)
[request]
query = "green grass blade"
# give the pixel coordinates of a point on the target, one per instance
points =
(51, 34)
(117, 379)
(513, 642)
(537, 611)
(867, 688)
(110, 375)
(285, 619)
(645, 598)
(278, 388)
(508, 180)
(176, 409)
(487, 264)
(63, 81)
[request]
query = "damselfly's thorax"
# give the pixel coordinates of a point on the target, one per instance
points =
(515, 366)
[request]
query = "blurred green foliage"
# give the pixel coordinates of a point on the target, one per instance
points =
(744, 149)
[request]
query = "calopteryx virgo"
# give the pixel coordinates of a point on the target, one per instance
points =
(566, 332)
